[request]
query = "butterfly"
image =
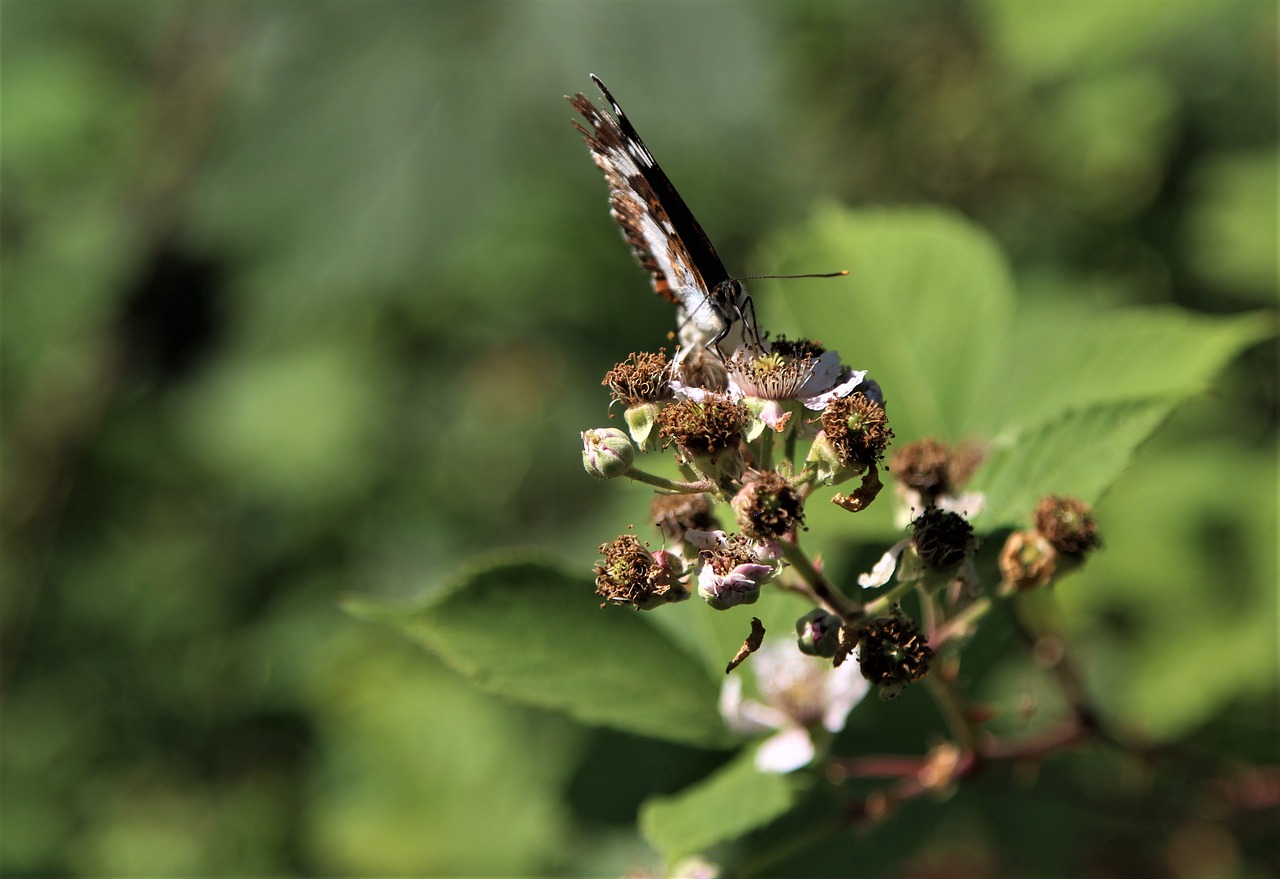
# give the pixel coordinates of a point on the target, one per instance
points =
(663, 234)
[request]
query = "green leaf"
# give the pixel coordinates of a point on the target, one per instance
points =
(926, 308)
(1065, 358)
(1061, 397)
(530, 632)
(734, 800)
(1080, 455)
(1083, 390)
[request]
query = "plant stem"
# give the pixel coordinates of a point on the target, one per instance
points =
(942, 689)
(669, 484)
(883, 603)
(960, 624)
(833, 599)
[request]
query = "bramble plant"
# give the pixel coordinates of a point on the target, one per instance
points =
(746, 607)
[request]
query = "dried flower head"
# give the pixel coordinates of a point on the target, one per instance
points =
(643, 377)
(932, 468)
(892, 653)
(1068, 524)
(709, 427)
(630, 574)
(1027, 561)
(768, 506)
(675, 514)
(857, 428)
(942, 540)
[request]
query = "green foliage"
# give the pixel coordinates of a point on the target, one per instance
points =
(534, 634)
(307, 299)
(735, 800)
(1060, 397)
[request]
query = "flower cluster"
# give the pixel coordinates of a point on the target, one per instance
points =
(750, 437)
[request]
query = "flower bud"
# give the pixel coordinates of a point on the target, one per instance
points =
(607, 452)
(741, 585)
(818, 633)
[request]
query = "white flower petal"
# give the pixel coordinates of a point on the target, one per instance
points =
(843, 688)
(706, 539)
(884, 568)
(785, 751)
(690, 392)
(969, 505)
(823, 375)
(746, 715)
(818, 402)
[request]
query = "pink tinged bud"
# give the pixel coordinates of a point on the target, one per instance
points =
(818, 633)
(739, 586)
(607, 452)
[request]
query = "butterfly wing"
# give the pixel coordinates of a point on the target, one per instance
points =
(663, 234)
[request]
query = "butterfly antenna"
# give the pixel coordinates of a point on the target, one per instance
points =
(839, 274)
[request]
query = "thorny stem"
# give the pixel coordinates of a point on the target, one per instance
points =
(833, 599)
(668, 484)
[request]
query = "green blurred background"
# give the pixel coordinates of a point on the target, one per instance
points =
(311, 298)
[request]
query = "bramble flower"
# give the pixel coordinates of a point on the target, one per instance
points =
(676, 514)
(857, 429)
(1065, 532)
(1027, 561)
(775, 379)
(707, 432)
(1068, 524)
(640, 383)
(630, 574)
(799, 695)
(732, 568)
(941, 544)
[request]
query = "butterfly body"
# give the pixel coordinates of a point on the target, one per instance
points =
(664, 237)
